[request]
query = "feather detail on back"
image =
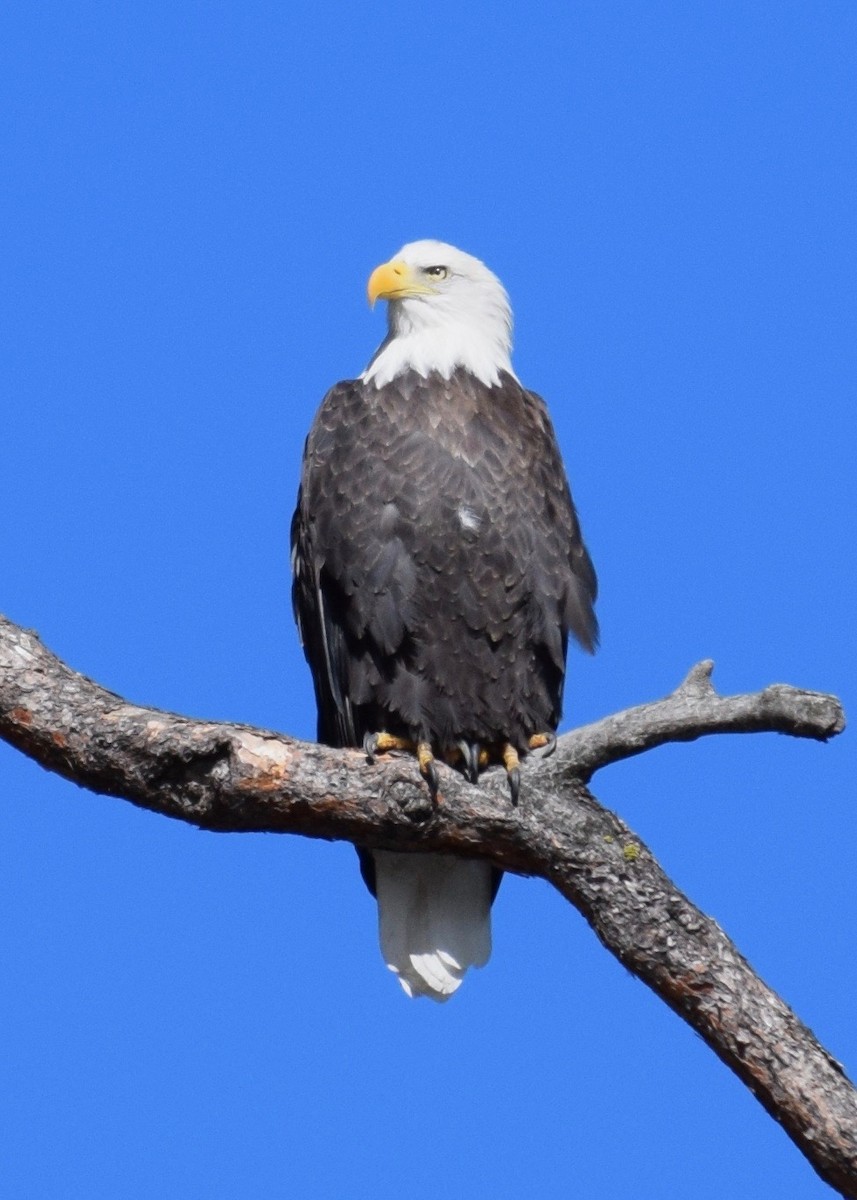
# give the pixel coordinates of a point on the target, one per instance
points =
(434, 914)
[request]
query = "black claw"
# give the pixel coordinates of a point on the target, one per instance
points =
(547, 750)
(475, 752)
(430, 775)
(370, 746)
(470, 755)
(514, 784)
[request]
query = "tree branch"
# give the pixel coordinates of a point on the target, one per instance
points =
(693, 710)
(233, 777)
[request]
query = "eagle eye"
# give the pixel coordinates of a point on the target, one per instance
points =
(436, 272)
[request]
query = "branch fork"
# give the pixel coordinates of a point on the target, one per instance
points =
(230, 777)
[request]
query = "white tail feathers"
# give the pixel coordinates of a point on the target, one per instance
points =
(434, 915)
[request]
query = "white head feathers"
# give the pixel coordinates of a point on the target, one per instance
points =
(446, 310)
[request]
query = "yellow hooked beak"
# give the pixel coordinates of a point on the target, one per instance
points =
(393, 281)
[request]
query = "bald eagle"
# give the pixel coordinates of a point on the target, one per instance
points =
(438, 571)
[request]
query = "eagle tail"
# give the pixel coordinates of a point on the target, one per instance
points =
(434, 913)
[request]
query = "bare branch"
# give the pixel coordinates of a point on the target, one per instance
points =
(233, 777)
(695, 709)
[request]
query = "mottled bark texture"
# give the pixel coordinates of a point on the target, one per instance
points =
(233, 777)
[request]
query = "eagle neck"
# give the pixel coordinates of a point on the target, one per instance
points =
(429, 339)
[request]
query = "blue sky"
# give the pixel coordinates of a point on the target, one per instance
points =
(193, 196)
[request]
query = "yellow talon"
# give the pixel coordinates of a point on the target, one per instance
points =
(428, 770)
(542, 744)
(389, 741)
(510, 757)
(380, 743)
(512, 763)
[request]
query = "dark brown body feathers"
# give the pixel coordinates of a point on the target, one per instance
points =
(439, 566)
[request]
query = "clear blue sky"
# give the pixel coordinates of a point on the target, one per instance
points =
(193, 196)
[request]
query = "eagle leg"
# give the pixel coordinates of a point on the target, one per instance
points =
(380, 743)
(542, 745)
(513, 770)
(428, 770)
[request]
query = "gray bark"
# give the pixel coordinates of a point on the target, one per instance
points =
(233, 777)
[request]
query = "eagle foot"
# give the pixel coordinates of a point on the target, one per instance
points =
(471, 757)
(512, 763)
(542, 745)
(428, 770)
(381, 743)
